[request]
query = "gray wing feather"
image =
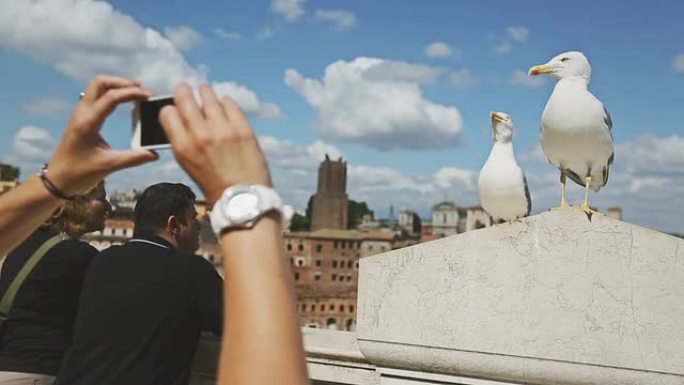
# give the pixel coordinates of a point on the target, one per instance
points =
(527, 196)
(608, 121)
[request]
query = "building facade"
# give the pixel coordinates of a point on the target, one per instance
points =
(325, 266)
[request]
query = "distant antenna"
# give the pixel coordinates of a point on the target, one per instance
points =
(391, 212)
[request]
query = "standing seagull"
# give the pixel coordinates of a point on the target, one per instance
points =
(576, 128)
(502, 184)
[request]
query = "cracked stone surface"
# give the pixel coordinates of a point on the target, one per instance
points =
(554, 288)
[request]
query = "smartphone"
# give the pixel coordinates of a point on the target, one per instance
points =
(147, 131)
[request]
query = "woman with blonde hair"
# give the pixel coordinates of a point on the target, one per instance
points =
(39, 323)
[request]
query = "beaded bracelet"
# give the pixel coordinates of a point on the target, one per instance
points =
(51, 186)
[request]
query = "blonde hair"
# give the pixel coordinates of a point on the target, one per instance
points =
(71, 216)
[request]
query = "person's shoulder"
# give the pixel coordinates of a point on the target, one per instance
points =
(70, 248)
(198, 263)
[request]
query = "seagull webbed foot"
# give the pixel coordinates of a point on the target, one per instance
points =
(588, 210)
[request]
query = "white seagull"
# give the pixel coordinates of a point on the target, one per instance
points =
(502, 184)
(575, 128)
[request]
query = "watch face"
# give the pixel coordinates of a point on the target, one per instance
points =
(242, 207)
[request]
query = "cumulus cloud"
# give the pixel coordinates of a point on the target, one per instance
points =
(291, 10)
(226, 35)
(32, 146)
(453, 176)
(512, 36)
(462, 78)
(378, 103)
(521, 78)
(283, 153)
(503, 48)
(678, 63)
(46, 106)
(518, 34)
(248, 100)
(341, 20)
(267, 32)
(183, 37)
(534, 155)
(439, 49)
(83, 38)
(652, 155)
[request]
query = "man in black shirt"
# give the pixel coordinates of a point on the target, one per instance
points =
(145, 303)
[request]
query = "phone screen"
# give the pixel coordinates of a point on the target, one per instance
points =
(151, 131)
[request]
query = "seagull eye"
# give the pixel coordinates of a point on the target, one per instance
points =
(565, 59)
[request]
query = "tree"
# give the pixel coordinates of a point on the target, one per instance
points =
(355, 213)
(302, 222)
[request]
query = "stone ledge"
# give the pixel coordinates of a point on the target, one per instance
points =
(550, 299)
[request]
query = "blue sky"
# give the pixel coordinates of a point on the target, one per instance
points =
(401, 90)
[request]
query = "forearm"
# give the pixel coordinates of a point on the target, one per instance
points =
(262, 342)
(23, 209)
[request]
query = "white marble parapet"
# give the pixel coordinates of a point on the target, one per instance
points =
(551, 299)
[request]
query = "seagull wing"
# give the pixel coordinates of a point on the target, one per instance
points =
(527, 196)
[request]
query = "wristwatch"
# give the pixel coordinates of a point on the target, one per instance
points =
(241, 206)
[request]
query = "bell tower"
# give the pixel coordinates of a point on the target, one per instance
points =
(329, 206)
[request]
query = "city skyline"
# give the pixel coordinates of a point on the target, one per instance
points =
(316, 77)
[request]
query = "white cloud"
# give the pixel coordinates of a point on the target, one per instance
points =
(396, 71)
(286, 154)
(248, 100)
(291, 10)
(521, 78)
(183, 37)
(462, 78)
(652, 155)
(83, 38)
(453, 177)
(378, 103)
(32, 146)
(518, 34)
(266, 32)
(46, 106)
(534, 155)
(503, 48)
(342, 20)
(225, 35)
(439, 49)
(678, 63)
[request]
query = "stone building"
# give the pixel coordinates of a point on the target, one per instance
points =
(449, 219)
(325, 270)
(329, 205)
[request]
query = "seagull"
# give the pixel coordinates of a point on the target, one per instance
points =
(503, 187)
(576, 128)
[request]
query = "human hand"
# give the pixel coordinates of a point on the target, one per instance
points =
(214, 143)
(83, 157)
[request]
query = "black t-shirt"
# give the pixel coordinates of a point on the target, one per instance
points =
(141, 312)
(40, 323)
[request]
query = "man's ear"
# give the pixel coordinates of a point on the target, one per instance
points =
(172, 225)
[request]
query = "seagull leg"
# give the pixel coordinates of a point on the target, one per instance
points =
(564, 203)
(585, 206)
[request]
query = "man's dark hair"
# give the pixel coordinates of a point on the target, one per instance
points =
(158, 202)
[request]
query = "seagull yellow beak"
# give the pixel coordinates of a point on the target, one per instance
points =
(495, 117)
(540, 70)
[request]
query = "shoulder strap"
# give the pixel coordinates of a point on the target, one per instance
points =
(8, 297)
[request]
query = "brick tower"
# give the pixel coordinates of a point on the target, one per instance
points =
(329, 206)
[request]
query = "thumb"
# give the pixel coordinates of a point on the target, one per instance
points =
(130, 158)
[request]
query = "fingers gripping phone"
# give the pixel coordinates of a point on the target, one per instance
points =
(147, 131)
